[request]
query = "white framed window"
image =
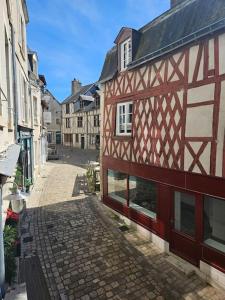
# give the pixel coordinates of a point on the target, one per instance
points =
(126, 53)
(124, 118)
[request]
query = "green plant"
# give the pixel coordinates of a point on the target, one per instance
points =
(27, 182)
(90, 179)
(18, 179)
(19, 176)
(10, 235)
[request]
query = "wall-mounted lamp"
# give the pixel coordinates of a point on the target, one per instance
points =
(17, 199)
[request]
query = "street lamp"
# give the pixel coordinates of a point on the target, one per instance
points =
(17, 199)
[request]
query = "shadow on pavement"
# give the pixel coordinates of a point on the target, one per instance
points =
(84, 254)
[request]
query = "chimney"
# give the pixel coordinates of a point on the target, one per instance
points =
(76, 86)
(174, 3)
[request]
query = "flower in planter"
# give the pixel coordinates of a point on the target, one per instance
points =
(12, 215)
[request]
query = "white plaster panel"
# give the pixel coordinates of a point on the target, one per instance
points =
(205, 158)
(221, 132)
(211, 55)
(192, 61)
(222, 54)
(199, 121)
(201, 94)
(188, 158)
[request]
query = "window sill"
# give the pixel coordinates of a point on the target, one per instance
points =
(122, 137)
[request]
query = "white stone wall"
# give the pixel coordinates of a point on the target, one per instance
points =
(6, 82)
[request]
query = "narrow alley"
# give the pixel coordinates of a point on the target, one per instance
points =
(75, 249)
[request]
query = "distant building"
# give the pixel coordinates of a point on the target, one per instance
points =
(81, 117)
(54, 123)
(36, 88)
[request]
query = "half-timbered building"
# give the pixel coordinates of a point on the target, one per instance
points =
(81, 117)
(163, 152)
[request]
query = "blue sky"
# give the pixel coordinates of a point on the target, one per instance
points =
(73, 36)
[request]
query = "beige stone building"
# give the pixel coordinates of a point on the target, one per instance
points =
(36, 94)
(55, 123)
(81, 117)
(21, 122)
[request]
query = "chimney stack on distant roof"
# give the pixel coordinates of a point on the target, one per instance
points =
(175, 2)
(76, 86)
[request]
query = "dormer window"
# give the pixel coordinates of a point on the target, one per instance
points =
(126, 53)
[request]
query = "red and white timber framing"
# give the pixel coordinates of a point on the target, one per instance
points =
(178, 132)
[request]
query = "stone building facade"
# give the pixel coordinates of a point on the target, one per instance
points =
(54, 127)
(21, 122)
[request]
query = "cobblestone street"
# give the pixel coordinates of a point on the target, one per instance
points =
(82, 252)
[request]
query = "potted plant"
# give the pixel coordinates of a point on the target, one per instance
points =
(27, 184)
(90, 179)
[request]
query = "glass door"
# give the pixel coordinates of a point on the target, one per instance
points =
(183, 226)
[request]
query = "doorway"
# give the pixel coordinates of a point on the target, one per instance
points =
(82, 142)
(184, 231)
(58, 137)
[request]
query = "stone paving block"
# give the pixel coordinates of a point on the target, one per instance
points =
(85, 256)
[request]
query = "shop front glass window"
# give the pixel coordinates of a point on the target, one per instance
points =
(117, 185)
(184, 213)
(214, 223)
(143, 196)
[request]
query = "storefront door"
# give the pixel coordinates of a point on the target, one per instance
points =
(184, 231)
(82, 142)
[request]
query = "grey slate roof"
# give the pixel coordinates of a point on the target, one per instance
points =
(176, 27)
(73, 98)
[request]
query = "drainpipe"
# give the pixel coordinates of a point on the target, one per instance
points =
(15, 98)
(32, 126)
(87, 130)
(2, 258)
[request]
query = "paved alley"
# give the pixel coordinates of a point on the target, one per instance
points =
(82, 252)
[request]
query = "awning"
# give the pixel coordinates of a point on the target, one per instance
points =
(8, 160)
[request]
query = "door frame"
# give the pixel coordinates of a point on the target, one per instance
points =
(82, 142)
(177, 239)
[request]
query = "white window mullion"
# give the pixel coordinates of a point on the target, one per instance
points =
(125, 53)
(124, 118)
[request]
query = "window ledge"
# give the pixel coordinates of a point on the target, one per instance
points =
(122, 137)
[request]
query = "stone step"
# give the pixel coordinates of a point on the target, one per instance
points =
(19, 292)
(184, 266)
